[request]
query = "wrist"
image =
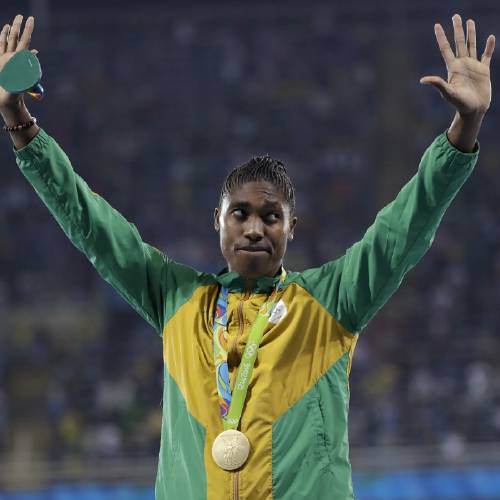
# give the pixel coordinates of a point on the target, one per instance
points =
(15, 113)
(13, 106)
(464, 130)
(472, 117)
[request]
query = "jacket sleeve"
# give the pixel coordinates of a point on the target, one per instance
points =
(140, 273)
(355, 286)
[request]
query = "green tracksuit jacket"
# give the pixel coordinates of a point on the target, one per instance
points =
(295, 414)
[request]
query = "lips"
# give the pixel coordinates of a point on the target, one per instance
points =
(252, 248)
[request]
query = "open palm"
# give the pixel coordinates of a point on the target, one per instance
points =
(468, 87)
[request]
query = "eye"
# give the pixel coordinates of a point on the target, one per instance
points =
(272, 217)
(239, 213)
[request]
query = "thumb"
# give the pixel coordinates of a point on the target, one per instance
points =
(444, 87)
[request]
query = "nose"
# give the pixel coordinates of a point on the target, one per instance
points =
(254, 228)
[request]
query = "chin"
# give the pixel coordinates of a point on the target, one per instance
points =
(252, 267)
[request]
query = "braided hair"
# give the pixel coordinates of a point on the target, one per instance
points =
(261, 168)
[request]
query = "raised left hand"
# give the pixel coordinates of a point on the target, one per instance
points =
(468, 87)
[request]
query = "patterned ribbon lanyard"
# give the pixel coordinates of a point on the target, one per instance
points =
(231, 406)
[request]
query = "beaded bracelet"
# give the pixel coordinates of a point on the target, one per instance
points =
(21, 126)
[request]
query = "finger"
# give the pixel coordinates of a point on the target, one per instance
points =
(3, 38)
(14, 33)
(25, 40)
(488, 50)
(444, 45)
(436, 81)
(458, 31)
(471, 38)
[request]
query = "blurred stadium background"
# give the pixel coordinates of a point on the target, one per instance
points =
(154, 103)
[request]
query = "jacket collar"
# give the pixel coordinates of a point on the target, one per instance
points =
(236, 283)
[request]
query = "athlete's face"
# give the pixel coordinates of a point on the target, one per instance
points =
(254, 225)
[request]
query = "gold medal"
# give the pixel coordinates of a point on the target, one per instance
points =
(230, 449)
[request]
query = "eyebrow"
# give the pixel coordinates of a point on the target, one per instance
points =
(246, 204)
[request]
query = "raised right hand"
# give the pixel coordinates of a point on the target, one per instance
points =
(468, 88)
(11, 42)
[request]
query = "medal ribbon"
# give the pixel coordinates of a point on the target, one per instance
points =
(231, 405)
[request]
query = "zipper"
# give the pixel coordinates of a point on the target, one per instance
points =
(236, 486)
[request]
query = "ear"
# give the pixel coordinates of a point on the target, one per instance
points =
(293, 222)
(216, 220)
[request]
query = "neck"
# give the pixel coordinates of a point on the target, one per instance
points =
(252, 277)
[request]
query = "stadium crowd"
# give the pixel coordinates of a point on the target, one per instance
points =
(153, 112)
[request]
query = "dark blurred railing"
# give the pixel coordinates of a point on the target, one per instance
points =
(26, 474)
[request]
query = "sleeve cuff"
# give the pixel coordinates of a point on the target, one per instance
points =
(452, 162)
(475, 150)
(34, 149)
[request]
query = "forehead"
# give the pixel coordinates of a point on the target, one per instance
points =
(255, 193)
